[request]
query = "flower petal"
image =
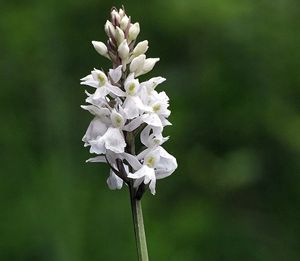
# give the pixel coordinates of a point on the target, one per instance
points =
(114, 140)
(115, 74)
(166, 165)
(101, 159)
(113, 181)
(96, 128)
(152, 119)
(115, 90)
(132, 160)
(135, 123)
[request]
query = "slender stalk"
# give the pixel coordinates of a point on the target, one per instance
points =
(138, 223)
(136, 209)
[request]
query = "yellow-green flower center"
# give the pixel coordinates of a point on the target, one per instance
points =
(101, 79)
(156, 107)
(150, 162)
(131, 88)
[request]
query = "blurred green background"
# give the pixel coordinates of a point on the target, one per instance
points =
(232, 70)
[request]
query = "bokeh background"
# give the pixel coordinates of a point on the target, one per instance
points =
(232, 70)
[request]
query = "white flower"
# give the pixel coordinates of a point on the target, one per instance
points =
(155, 106)
(98, 79)
(112, 140)
(157, 164)
(132, 87)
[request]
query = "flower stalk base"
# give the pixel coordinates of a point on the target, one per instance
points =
(138, 223)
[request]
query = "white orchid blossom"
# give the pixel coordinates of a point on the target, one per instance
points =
(157, 163)
(126, 109)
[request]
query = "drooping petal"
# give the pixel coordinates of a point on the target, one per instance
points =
(167, 164)
(113, 181)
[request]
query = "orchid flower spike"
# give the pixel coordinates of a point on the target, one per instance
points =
(125, 110)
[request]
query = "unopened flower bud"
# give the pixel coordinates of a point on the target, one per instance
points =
(109, 29)
(137, 64)
(149, 64)
(123, 50)
(140, 48)
(124, 22)
(119, 35)
(100, 48)
(121, 12)
(115, 16)
(134, 31)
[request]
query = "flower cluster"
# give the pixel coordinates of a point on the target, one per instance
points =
(125, 110)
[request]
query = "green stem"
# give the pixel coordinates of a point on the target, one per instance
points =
(138, 223)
